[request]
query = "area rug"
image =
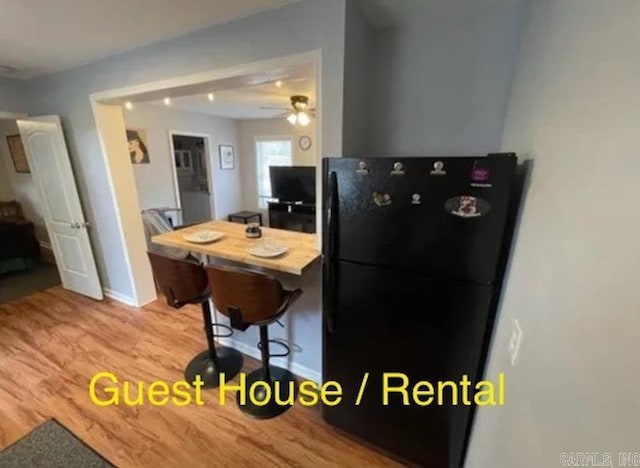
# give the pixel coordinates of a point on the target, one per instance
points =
(51, 445)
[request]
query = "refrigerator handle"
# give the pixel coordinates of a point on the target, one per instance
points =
(330, 235)
(329, 292)
(329, 272)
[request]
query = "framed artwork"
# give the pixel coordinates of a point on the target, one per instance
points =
(17, 154)
(137, 139)
(227, 157)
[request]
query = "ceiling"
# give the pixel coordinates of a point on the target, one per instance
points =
(242, 97)
(43, 36)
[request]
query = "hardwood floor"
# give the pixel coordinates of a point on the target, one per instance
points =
(53, 342)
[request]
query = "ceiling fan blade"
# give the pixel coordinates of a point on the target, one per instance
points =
(274, 108)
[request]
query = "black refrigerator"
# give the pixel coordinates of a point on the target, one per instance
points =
(413, 254)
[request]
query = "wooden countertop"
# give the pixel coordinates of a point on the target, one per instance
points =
(234, 246)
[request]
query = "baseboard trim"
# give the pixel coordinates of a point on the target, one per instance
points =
(116, 296)
(46, 251)
(252, 351)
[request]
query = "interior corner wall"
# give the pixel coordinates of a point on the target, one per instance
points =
(573, 278)
(304, 26)
(155, 182)
(358, 51)
(441, 78)
(249, 130)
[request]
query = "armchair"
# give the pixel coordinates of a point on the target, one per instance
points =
(19, 248)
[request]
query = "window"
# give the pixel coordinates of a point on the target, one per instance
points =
(270, 152)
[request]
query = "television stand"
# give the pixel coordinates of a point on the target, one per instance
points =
(293, 216)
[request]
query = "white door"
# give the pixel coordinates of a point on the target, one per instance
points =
(49, 161)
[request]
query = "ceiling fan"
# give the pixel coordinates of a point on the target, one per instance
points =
(299, 113)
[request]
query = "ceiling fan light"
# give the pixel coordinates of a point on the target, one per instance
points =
(292, 118)
(303, 119)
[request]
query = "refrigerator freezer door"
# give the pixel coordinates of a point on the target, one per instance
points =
(444, 217)
(391, 321)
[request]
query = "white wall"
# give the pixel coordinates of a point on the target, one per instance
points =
(441, 78)
(155, 181)
(20, 186)
(249, 130)
(301, 27)
(575, 111)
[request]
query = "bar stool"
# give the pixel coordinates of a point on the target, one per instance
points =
(185, 282)
(250, 298)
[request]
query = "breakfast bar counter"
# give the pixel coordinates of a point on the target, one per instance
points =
(234, 246)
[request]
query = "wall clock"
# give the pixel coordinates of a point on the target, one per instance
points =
(304, 143)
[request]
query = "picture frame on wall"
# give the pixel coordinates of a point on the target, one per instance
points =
(137, 140)
(227, 157)
(18, 154)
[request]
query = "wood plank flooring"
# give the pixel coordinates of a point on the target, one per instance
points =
(53, 342)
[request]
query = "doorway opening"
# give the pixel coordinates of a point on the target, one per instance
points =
(193, 183)
(200, 101)
(27, 262)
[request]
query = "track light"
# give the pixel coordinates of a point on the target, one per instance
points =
(211, 97)
(167, 101)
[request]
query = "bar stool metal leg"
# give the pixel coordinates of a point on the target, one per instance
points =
(278, 379)
(211, 363)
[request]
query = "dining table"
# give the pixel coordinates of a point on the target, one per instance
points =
(234, 245)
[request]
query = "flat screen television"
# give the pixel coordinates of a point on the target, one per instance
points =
(293, 183)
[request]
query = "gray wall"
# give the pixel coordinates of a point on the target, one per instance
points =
(300, 27)
(572, 285)
(14, 185)
(358, 60)
(155, 182)
(12, 95)
(441, 78)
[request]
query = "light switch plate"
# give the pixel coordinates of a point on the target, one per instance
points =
(515, 341)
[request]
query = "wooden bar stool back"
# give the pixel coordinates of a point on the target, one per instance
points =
(185, 282)
(250, 298)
